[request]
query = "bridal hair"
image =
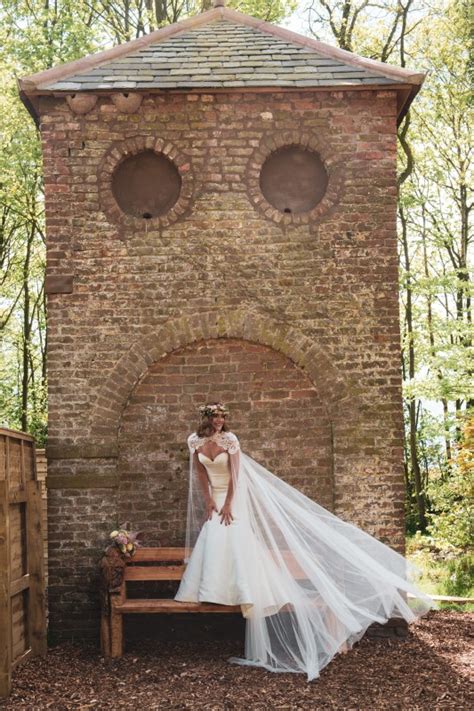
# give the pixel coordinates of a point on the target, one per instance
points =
(208, 411)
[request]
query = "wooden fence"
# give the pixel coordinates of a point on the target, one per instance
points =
(22, 585)
(41, 473)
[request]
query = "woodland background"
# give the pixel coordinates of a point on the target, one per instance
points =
(434, 212)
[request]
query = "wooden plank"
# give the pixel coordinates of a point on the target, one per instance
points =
(171, 606)
(116, 623)
(33, 461)
(20, 584)
(19, 496)
(42, 472)
(164, 572)
(30, 468)
(37, 606)
(20, 639)
(151, 555)
(14, 464)
(17, 434)
(105, 635)
(449, 598)
(3, 458)
(22, 464)
(5, 599)
(19, 660)
(16, 568)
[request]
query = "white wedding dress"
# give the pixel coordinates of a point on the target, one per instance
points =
(308, 583)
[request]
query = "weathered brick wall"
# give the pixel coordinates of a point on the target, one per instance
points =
(293, 322)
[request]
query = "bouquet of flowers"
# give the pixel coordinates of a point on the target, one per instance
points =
(126, 541)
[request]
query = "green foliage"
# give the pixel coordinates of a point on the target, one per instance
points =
(451, 514)
(452, 497)
(446, 573)
(268, 11)
(36, 35)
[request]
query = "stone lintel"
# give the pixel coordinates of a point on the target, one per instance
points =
(86, 450)
(88, 480)
(59, 284)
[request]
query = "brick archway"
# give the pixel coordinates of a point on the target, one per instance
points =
(275, 409)
(342, 398)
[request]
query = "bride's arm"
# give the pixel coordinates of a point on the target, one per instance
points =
(204, 484)
(225, 512)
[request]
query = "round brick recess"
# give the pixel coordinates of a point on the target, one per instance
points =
(120, 152)
(306, 141)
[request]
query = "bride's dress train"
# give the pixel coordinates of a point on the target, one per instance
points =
(309, 584)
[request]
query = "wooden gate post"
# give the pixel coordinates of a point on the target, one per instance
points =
(5, 599)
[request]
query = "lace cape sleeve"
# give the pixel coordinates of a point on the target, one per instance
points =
(226, 440)
(193, 442)
(230, 442)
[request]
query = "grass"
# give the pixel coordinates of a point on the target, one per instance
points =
(446, 571)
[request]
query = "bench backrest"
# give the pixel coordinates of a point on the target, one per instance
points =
(172, 567)
(172, 559)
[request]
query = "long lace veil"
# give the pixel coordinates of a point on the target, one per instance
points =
(317, 581)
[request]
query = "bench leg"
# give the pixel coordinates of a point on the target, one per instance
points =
(116, 634)
(105, 635)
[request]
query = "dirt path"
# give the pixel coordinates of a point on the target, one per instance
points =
(431, 669)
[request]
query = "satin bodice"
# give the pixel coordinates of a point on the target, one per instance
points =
(218, 471)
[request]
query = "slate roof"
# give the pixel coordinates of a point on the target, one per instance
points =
(219, 49)
(220, 54)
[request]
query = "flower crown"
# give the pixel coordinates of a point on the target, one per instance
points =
(211, 410)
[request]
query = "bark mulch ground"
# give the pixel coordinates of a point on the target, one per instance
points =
(429, 669)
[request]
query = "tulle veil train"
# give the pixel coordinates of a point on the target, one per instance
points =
(317, 581)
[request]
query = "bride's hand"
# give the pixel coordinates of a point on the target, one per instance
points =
(226, 515)
(210, 508)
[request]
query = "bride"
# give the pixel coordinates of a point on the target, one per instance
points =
(309, 584)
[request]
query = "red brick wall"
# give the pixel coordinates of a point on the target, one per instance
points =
(160, 310)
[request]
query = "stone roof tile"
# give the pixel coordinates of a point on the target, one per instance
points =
(195, 52)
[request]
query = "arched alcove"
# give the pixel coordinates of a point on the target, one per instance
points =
(276, 411)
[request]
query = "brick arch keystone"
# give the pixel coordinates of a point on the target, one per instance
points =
(343, 397)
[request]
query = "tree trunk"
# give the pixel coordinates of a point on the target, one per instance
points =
(412, 439)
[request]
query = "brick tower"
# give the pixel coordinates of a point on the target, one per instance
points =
(221, 220)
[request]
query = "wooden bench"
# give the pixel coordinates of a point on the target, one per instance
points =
(166, 564)
(148, 564)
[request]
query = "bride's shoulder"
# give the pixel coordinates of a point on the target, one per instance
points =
(232, 441)
(193, 441)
